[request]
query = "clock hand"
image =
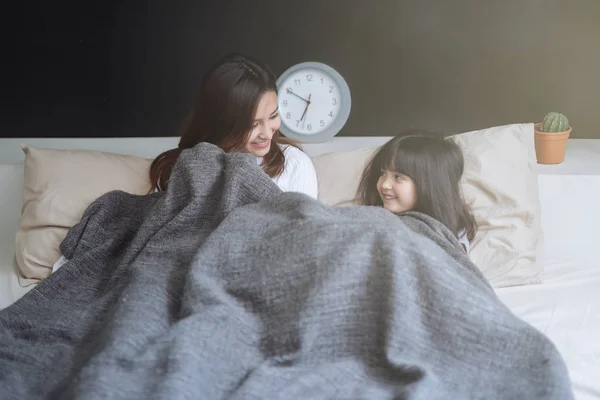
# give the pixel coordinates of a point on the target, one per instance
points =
(290, 92)
(305, 110)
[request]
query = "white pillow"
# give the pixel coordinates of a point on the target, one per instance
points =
(59, 185)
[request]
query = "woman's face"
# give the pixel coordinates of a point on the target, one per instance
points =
(266, 123)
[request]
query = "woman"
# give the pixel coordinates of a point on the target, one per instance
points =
(237, 110)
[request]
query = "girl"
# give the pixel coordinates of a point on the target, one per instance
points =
(420, 173)
(237, 110)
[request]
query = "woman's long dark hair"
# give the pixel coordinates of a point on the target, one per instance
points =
(435, 165)
(223, 115)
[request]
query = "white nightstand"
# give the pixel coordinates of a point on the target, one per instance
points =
(582, 158)
(570, 195)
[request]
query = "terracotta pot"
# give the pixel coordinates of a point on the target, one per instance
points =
(550, 147)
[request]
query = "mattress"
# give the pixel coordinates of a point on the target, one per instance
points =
(566, 307)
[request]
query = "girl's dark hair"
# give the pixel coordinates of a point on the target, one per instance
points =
(435, 165)
(223, 115)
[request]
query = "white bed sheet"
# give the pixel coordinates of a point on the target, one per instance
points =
(566, 308)
(10, 290)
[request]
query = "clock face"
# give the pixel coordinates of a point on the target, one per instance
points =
(314, 102)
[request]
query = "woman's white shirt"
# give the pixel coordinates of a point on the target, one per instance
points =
(298, 174)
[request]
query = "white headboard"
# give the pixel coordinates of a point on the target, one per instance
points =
(11, 153)
(581, 159)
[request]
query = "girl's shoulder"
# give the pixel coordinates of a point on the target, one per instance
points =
(462, 239)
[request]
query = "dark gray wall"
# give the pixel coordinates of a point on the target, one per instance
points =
(439, 65)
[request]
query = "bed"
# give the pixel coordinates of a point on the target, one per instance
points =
(565, 307)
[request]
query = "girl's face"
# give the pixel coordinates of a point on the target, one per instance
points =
(266, 123)
(398, 192)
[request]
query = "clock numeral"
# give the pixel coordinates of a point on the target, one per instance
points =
(309, 127)
(309, 77)
(288, 116)
(321, 80)
(334, 101)
(330, 88)
(330, 114)
(285, 103)
(297, 81)
(297, 122)
(322, 123)
(288, 89)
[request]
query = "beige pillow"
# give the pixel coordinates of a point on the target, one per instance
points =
(59, 185)
(499, 182)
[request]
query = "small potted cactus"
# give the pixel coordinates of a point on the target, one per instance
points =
(551, 138)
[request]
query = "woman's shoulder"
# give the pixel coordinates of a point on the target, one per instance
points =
(294, 155)
(299, 173)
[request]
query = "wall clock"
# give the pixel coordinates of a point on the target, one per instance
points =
(314, 102)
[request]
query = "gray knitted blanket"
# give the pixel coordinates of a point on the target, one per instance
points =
(225, 288)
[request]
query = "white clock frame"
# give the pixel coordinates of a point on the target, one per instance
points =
(334, 127)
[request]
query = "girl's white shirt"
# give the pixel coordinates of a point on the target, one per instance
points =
(462, 239)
